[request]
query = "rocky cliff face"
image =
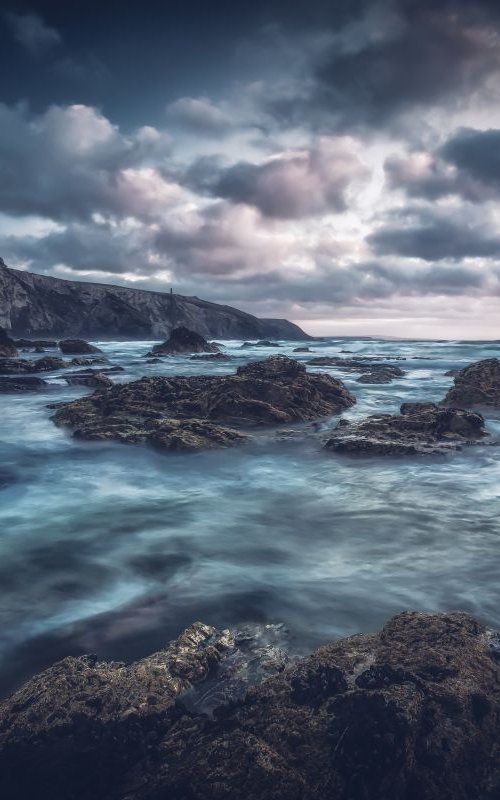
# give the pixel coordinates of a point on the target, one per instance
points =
(33, 304)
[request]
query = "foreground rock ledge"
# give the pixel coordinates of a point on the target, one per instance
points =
(410, 713)
(420, 428)
(271, 392)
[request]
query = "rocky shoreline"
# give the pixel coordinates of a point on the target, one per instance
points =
(410, 713)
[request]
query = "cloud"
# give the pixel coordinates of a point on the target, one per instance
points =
(476, 153)
(294, 184)
(32, 32)
(200, 115)
(70, 163)
(395, 59)
(426, 175)
(435, 234)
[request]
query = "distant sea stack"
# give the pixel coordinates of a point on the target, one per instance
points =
(38, 305)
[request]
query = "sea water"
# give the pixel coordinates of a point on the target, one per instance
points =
(114, 549)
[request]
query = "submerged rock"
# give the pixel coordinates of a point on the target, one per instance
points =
(261, 343)
(77, 347)
(20, 366)
(92, 379)
(476, 385)
(380, 374)
(34, 343)
(182, 340)
(269, 392)
(8, 347)
(374, 370)
(420, 428)
(212, 357)
(302, 350)
(21, 384)
(410, 713)
(88, 362)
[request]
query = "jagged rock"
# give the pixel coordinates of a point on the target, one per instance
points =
(21, 384)
(88, 362)
(20, 366)
(380, 374)
(410, 713)
(8, 348)
(270, 392)
(43, 305)
(476, 385)
(77, 347)
(421, 428)
(212, 357)
(261, 343)
(93, 379)
(182, 340)
(374, 370)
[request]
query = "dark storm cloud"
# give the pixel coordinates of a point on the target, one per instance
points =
(432, 236)
(32, 32)
(428, 176)
(398, 57)
(476, 153)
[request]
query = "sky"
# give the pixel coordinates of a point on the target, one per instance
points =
(334, 163)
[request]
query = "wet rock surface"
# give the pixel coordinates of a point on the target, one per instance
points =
(410, 713)
(271, 392)
(182, 340)
(420, 428)
(77, 347)
(21, 384)
(45, 344)
(20, 366)
(373, 369)
(476, 385)
(212, 357)
(8, 347)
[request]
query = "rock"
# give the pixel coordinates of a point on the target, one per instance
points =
(301, 350)
(153, 360)
(77, 347)
(88, 362)
(212, 357)
(381, 374)
(42, 305)
(20, 366)
(92, 379)
(451, 373)
(374, 370)
(476, 385)
(8, 348)
(269, 392)
(182, 340)
(39, 349)
(21, 384)
(34, 343)
(261, 343)
(421, 428)
(410, 713)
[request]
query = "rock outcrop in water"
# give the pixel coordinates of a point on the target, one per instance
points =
(8, 348)
(182, 340)
(476, 385)
(420, 428)
(21, 384)
(39, 305)
(373, 369)
(410, 713)
(23, 366)
(77, 347)
(269, 392)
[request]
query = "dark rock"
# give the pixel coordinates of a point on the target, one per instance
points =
(476, 385)
(270, 392)
(88, 362)
(34, 343)
(261, 343)
(212, 357)
(21, 384)
(8, 347)
(302, 350)
(182, 340)
(451, 373)
(39, 350)
(421, 428)
(20, 366)
(92, 379)
(382, 374)
(77, 347)
(410, 713)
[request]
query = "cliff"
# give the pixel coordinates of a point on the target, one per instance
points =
(40, 305)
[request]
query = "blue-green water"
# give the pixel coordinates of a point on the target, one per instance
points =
(114, 549)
